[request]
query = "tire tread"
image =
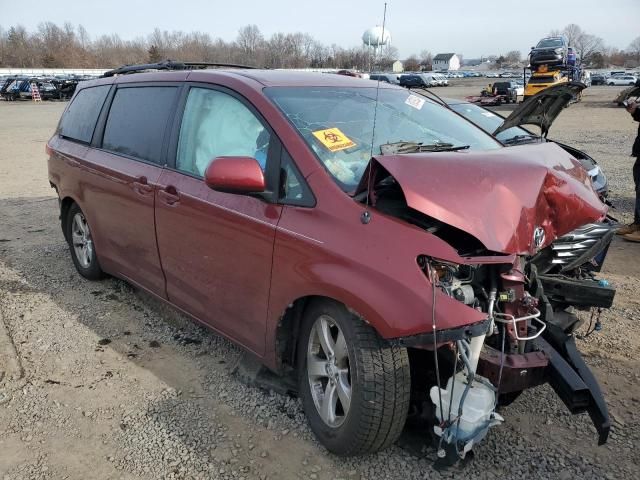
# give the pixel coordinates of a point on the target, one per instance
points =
(386, 390)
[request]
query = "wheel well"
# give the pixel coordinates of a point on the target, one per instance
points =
(289, 328)
(65, 205)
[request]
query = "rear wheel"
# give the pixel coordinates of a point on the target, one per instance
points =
(354, 385)
(81, 244)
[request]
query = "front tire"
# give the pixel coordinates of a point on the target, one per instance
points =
(81, 246)
(354, 385)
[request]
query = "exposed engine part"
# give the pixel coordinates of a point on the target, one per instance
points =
(464, 294)
(465, 408)
(510, 319)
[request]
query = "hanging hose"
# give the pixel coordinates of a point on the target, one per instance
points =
(432, 278)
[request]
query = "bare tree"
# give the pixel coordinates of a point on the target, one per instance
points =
(587, 45)
(19, 53)
(426, 59)
(634, 48)
(412, 64)
(3, 46)
(388, 54)
(250, 40)
(573, 33)
(513, 56)
(154, 54)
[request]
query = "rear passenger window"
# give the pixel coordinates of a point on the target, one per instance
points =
(79, 121)
(137, 121)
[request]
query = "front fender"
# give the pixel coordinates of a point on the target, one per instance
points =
(320, 254)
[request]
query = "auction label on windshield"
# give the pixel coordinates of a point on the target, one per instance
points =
(415, 101)
(333, 139)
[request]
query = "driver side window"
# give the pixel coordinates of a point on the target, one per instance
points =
(216, 124)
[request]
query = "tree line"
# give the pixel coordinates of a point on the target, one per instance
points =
(68, 46)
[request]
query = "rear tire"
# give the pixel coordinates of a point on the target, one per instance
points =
(81, 246)
(356, 395)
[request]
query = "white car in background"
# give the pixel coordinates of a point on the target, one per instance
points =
(441, 80)
(520, 89)
(622, 80)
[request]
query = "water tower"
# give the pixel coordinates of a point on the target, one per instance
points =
(374, 39)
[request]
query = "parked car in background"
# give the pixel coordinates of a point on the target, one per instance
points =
(385, 77)
(429, 79)
(621, 80)
(440, 79)
(519, 87)
(250, 200)
(410, 80)
(493, 75)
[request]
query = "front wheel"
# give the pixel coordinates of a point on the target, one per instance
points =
(354, 385)
(81, 244)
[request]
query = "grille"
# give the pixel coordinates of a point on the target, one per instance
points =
(581, 245)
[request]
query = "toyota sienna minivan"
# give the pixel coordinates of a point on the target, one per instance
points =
(357, 236)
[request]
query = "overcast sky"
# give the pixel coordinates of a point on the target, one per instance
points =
(470, 27)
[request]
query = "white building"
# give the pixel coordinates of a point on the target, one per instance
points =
(446, 61)
(397, 67)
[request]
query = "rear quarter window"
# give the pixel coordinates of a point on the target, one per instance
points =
(79, 120)
(137, 121)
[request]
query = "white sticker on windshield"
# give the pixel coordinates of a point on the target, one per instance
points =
(414, 101)
(488, 114)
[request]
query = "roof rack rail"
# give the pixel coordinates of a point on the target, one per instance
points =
(169, 65)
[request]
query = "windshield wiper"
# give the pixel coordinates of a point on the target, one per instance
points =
(397, 148)
(521, 139)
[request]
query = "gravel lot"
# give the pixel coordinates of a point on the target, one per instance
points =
(107, 383)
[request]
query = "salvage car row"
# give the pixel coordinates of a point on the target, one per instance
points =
(335, 227)
(49, 88)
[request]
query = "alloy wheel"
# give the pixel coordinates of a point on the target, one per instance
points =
(81, 240)
(328, 371)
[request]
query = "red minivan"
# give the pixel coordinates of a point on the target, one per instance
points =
(355, 234)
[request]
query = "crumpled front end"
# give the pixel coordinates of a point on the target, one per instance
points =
(501, 198)
(499, 210)
(526, 340)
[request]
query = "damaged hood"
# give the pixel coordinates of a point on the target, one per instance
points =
(542, 108)
(513, 200)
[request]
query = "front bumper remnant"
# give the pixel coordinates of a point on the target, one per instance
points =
(573, 381)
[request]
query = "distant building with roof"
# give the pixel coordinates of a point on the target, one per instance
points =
(446, 61)
(398, 66)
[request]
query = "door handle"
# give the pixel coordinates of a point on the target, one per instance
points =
(141, 186)
(169, 195)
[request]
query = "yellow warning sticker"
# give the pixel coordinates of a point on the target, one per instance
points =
(333, 139)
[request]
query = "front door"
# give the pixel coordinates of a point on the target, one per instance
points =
(216, 248)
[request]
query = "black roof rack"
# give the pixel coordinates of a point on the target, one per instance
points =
(169, 65)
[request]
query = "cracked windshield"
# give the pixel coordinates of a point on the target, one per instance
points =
(338, 125)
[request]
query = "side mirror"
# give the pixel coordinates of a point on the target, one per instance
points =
(235, 175)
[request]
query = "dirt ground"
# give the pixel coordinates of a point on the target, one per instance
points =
(99, 381)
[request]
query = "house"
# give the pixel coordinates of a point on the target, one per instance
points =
(397, 66)
(446, 61)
